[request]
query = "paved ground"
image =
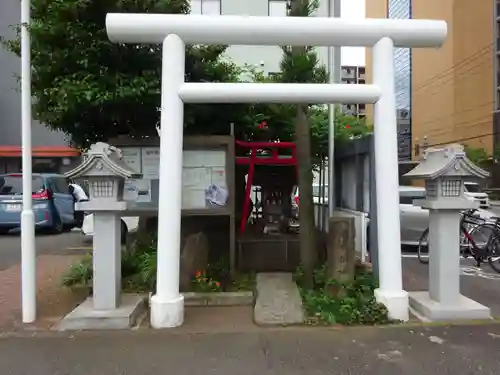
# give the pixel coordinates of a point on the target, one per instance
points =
(54, 256)
(480, 284)
(292, 351)
(10, 246)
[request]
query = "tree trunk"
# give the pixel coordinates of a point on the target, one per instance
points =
(308, 251)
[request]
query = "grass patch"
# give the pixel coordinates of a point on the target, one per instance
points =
(243, 282)
(357, 306)
(139, 272)
(138, 268)
(217, 278)
(79, 274)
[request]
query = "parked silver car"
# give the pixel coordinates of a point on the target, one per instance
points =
(414, 219)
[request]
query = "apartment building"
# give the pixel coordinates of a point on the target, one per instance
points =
(353, 75)
(448, 94)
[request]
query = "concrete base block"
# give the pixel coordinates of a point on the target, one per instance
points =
(463, 309)
(167, 314)
(396, 303)
(85, 317)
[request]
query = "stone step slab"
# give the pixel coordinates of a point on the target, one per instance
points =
(278, 300)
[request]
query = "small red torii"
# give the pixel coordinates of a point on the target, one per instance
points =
(253, 159)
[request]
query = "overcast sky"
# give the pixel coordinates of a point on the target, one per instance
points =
(353, 9)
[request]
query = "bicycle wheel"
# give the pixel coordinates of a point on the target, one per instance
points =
(494, 251)
(482, 235)
(423, 247)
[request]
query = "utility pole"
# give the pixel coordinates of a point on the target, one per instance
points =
(28, 253)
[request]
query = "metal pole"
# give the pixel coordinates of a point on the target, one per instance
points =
(321, 195)
(334, 63)
(28, 253)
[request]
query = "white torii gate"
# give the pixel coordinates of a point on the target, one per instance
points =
(174, 31)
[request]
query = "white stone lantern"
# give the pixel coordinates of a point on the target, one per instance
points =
(445, 170)
(105, 172)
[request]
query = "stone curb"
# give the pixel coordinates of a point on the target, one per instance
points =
(217, 299)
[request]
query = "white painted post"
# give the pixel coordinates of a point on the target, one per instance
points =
(391, 292)
(167, 305)
(28, 251)
(107, 274)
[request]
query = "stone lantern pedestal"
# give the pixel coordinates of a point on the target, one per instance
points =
(105, 172)
(107, 255)
(445, 170)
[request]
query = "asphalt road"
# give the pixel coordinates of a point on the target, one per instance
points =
(10, 246)
(464, 350)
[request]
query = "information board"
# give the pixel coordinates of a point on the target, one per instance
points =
(204, 182)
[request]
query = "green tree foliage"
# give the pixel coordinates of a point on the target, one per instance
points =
(93, 89)
(346, 128)
(280, 118)
(477, 155)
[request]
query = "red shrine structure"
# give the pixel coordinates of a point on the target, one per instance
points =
(267, 154)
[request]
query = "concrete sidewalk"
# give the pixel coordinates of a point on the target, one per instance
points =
(290, 351)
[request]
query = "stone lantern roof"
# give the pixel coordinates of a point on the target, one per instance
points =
(447, 161)
(103, 160)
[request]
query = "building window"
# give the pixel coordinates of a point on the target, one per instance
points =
(278, 8)
(401, 9)
(208, 7)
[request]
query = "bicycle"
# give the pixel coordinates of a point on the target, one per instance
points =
(478, 238)
(494, 247)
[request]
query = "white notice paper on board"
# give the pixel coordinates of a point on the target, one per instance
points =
(132, 157)
(193, 199)
(137, 191)
(219, 177)
(150, 162)
(196, 178)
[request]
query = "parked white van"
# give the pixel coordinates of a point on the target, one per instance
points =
(473, 191)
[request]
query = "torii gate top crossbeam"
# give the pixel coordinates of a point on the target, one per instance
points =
(247, 30)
